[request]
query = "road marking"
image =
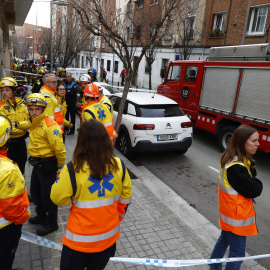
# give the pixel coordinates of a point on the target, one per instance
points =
(214, 169)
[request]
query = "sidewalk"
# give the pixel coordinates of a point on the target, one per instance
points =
(159, 224)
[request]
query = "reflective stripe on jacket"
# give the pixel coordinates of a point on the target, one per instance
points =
(53, 108)
(236, 212)
(100, 112)
(16, 112)
(46, 139)
(106, 101)
(63, 104)
(14, 203)
(98, 206)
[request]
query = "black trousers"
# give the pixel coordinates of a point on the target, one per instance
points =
(71, 111)
(9, 240)
(72, 259)
(40, 189)
(17, 152)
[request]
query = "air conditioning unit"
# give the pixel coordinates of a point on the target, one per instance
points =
(135, 1)
(131, 35)
(176, 39)
(132, 31)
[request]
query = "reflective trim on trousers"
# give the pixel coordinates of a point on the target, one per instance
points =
(95, 204)
(91, 238)
(126, 201)
(3, 221)
(52, 116)
(237, 223)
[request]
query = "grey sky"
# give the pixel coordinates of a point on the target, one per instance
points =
(39, 14)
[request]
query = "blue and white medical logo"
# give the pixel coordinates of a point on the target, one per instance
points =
(101, 114)
(101, 186)
(56, 132)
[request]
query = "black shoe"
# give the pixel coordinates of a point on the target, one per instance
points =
(37, 220)
(70, 133)
(47, 229)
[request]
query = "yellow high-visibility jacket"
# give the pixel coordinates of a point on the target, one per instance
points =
(16, 112)
(46, 139)
(14, 203)
(63, 104)
(53, 108)
(98, 206)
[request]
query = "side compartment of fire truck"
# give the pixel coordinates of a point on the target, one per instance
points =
(232, 94)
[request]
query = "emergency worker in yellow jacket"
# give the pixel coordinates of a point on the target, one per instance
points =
(14, 204)
(15, 110)
(238, 186)
(97, 110)
(99, 188)
(47, 156)
(53, 108)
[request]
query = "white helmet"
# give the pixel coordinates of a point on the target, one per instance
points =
(85, 78)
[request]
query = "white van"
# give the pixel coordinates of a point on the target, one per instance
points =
(76, 72)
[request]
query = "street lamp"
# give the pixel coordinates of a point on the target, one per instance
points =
(59, 3)
(38, 30)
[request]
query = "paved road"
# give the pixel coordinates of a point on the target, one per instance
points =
(194, 177)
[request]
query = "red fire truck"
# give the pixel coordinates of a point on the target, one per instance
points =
(229, 89)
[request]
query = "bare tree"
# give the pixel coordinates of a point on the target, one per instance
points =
(68, 39)
(125, 33)
(184, 23)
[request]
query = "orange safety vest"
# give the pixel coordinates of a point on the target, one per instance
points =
(236, 212)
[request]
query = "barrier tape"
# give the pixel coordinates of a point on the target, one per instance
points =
(17, 71)
(184, 263)
(32, 238)
(35, 239)
(137, 89)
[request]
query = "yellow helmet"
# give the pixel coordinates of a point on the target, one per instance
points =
(36, 99)
(41, 70)
(8, 81)
(5, 129)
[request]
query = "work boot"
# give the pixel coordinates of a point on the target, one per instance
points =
(47, 229)
(37, 220)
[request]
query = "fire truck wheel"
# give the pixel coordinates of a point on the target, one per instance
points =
(224, 137)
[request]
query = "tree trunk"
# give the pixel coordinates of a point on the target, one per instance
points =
(150, 76)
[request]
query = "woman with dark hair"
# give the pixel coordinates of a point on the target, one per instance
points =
(238, 186)
(60, 96)
(99, 188)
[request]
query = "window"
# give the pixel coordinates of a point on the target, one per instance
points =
(108, 65)
(190, 26)
(147, 68)
(115, 102)
(154, 2)
(258, 20)
(174, 73)
(151, 111)
(138, 32)
(140, 4)
(191, 73)
(219, 21)
(116, 66)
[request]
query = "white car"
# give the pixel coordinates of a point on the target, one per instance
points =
(106, 88)
(150, 123)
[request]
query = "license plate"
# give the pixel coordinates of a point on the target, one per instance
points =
(167, 137)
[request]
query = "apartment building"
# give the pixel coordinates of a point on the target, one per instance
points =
(11, 13)
(228, 22)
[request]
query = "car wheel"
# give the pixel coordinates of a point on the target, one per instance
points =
(180, 152)
(125, 145)
(225, 136)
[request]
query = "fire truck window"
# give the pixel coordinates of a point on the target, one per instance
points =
(191, 73)
(174, 73)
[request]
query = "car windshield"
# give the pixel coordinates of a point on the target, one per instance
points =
(109, 88)
(170, 110)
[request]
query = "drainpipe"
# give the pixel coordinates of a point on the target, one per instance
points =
(228, 22)
(209, 22)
